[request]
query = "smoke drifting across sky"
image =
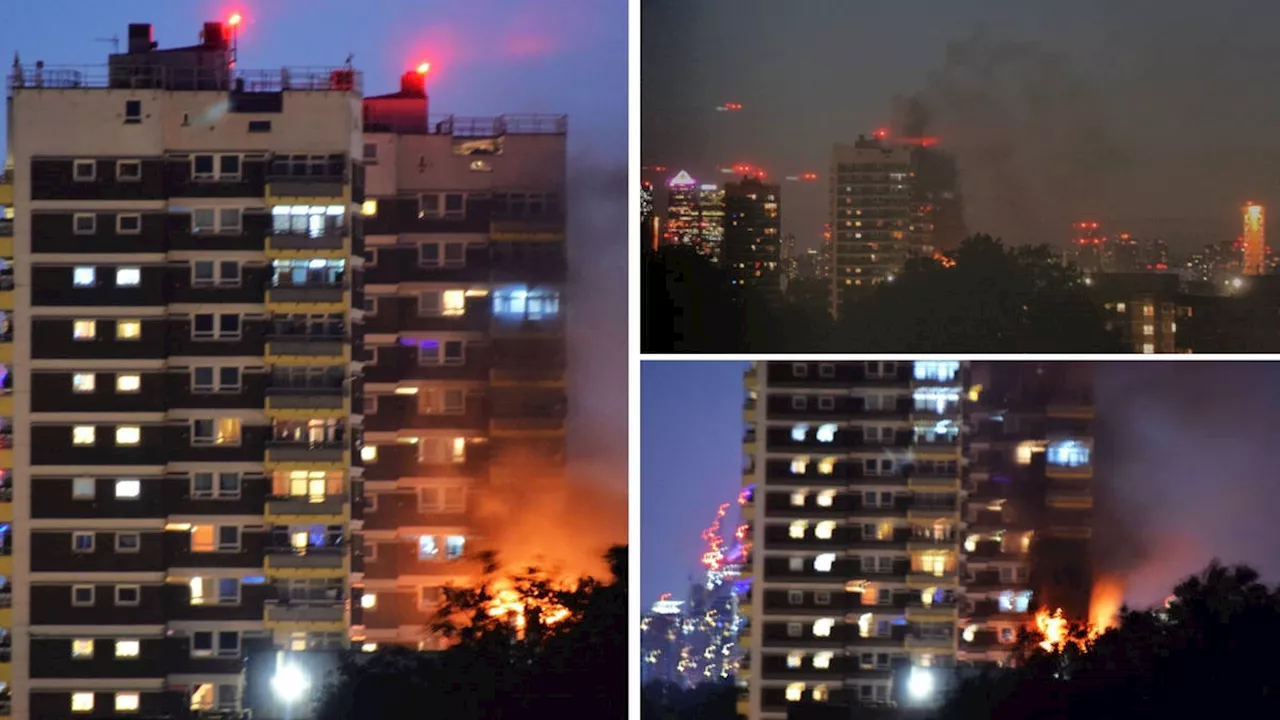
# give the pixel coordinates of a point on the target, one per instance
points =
(1152, 117)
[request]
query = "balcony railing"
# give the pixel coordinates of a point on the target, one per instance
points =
(295, 505)
(330, 239)
(289, 451)
(6, 597)
(489, 127)
(162, 77)
(285, 611)
(290, 557)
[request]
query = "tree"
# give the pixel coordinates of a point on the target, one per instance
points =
(567, 657)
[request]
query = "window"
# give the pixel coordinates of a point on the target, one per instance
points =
(128, 170)
(216, 326)
(82, 649)
(84, 277)
(449, 352)
(216, 221)
(443, 254)
(370, 153)
(128, 277)
(82, 702)
(445, 499)
(82, 595)
(128, 383)
(128, 489)
(208, 379)
(826, 403)
(84, 170)
(85, 223)
(127, 702)
(128, 329)
(369, 453)
(128, 224)
(84, 329)
(1148, 348)
(826, 370)
(369, 208)
(83, 382)
(83, 488)
(128, 594)
(447, 401)
(799, 402)
(215, 273)
(799, 370)
(128, 542)
(220, 486)
(795, 597)
(83, 435)
(82, 542)
(215, 167)
(216, 431)
(454, 546)
(128, 435)
(128, 648)
(132, 116)
(228, 538)
(795, 630)
(259, 126)
(442, 450)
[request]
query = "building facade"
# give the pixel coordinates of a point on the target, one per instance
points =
(889, 541)
(752, 250)
(184, 406)
(464, 345)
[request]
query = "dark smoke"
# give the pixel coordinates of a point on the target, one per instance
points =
(1030, 136)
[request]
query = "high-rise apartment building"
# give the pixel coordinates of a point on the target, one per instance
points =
(752, 251)
(891, 199)
(891, 540)
(464, 345)
(181, 405)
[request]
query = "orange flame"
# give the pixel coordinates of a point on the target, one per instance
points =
(1104, 604)
(1053, 627)
(508, 603)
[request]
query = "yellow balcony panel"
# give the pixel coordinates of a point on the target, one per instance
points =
(932, 643)
(749, 447)
(920, 611)
(6, 565)
(749, 411)
(531, 427)
(527, 230)
(6, 241)
(307, 351)
(334, 245)
(933, 483)
(744, 642)
(311, 564)
(6, 405)
(919, 544)
(294, 617)
(326, 510)
(747, 512)
(6, 350)
(1084, 472)
(6, 458)
(931, 513)
(744, 708)
(920, 580)
(1067, 532)
(285, 457)
(308, 190)
(1069, 500)
(307, 404)
(6, 190)
(6, 510)
(321, 299)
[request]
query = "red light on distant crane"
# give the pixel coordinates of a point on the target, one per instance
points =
(424, 68)
(881, 134)
(234, 19)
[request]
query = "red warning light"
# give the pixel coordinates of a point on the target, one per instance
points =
(234, 20)
(424, 68)
(882, 134)
(809, 176)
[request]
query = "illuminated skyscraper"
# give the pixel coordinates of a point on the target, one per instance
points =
(648, 220)
(752, 251)
(1255, 240)
(695, 215)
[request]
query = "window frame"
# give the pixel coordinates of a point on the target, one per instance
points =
(127, 587)
(121, 268)
(75, 544)
(120, 176)
(125, 391)
(120, 229)
(75, 223)
(82, 162)
(217, 174)
(137, 542)
(93, 596)
(216, 334)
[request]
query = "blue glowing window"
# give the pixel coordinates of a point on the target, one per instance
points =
(519, 302)
(940, 370)
(1068, 453)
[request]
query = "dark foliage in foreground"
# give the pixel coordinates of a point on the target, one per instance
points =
(994, 299)
(574, 668)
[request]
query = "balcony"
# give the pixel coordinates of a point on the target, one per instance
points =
(928, 579)
(309, 562)
(526, 327)
(316, 298)
(527, 229)
(528, 424)
(950, 482)
(329, 509)
(309, 453)
(317, 616)
(299, 189)
(917, 610)
(332, 243)
(300, 349)
(306, 403)
(930, 641)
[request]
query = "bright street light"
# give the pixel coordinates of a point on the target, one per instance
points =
(920, 684)
(289, 683)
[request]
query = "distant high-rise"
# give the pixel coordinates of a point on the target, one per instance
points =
(695, 215)
(648, 220)
(710, 207)
(753, 233)
(1255, 242)
(891, 199)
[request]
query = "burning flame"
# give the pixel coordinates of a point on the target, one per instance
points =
(1104, 605)
(508, 603)
(1053, 627)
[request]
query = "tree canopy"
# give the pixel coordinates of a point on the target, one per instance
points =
(567, 658)
(987, 298)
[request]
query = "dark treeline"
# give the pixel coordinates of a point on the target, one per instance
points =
(994, 299)
(572, 668)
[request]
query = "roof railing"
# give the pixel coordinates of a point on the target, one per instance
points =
(169, 77)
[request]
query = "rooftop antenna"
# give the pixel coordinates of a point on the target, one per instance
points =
(115, 43)
(347, 63)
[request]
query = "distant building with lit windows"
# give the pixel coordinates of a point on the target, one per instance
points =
(695, 215)
(752, 251)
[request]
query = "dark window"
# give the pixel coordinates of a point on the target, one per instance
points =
(371, 152)
(132, 111)
(230, 271)
(204, 324)
(453, 203)
(128, 170)
(85, 170)
(202, 641)
(229, 166)
(259, 126)
(202, 166)
(229, 324)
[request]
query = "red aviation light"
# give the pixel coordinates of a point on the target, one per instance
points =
(424, 68)
(234, 20)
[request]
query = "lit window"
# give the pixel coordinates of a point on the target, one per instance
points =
(369, 453)
(826, 465)
(220, 431)
(454, 545)
(825, 530)
(428, 547)
(797, 529)
(128, 648)
(1148, 329)
(1120, 307)
(128, 489)
(799, 464)
(82, 702)
(369, 208)
(127, 702)
(453, 303)
(82, 435)
(1027, 448)
(128, 435)
(795, 659)
(81, 649)
(83, 382)
(83, 277)
(128, 277)
(826, 433)
(368, 601)
(820, 693)
(795, 692)
(824, 562)
(84, 329)
(128, 383)
(196, 584)
(797, 498)
(1148, 348)
(1068, 453)
(822, 660)
(799, 432)
(822, 627)
(826, 498)
(128, 329)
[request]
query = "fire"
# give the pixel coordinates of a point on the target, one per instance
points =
(1053, 627)
(508, 603)
(1104, 604)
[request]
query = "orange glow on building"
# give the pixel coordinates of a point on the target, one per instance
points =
(1254, 239)
(1104, 604)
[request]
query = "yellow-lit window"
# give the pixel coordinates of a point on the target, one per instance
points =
(83, 435)
(453, 303)
(822, 627)
(824, 530)
(826, 465)
(202, 697)
(1148, 348)
(369, 647)
(82, 649)
(796, 531)
(312, 484)
(820, 693)
(82, 702)
(825, 498)
(127, 702)
(83, 382)
(128, 435)
(368, 601)
(797, 498)
(202, 538)
(1120, 307)
(128, 383)
(128, 329)
(1148, 329)
(459, 450)
(369, 208)
(369, 453)
(196, 584)
(795, 659)
(822, 660)
(795, 692)
(799, 464)
(128, 648)
(84, 330)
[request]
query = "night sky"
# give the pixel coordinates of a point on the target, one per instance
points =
(488, 57)
(1151, 116)
(1187, 468)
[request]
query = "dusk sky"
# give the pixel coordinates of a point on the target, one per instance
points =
(1151, 117)
(1186, 468)
(488, 57)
